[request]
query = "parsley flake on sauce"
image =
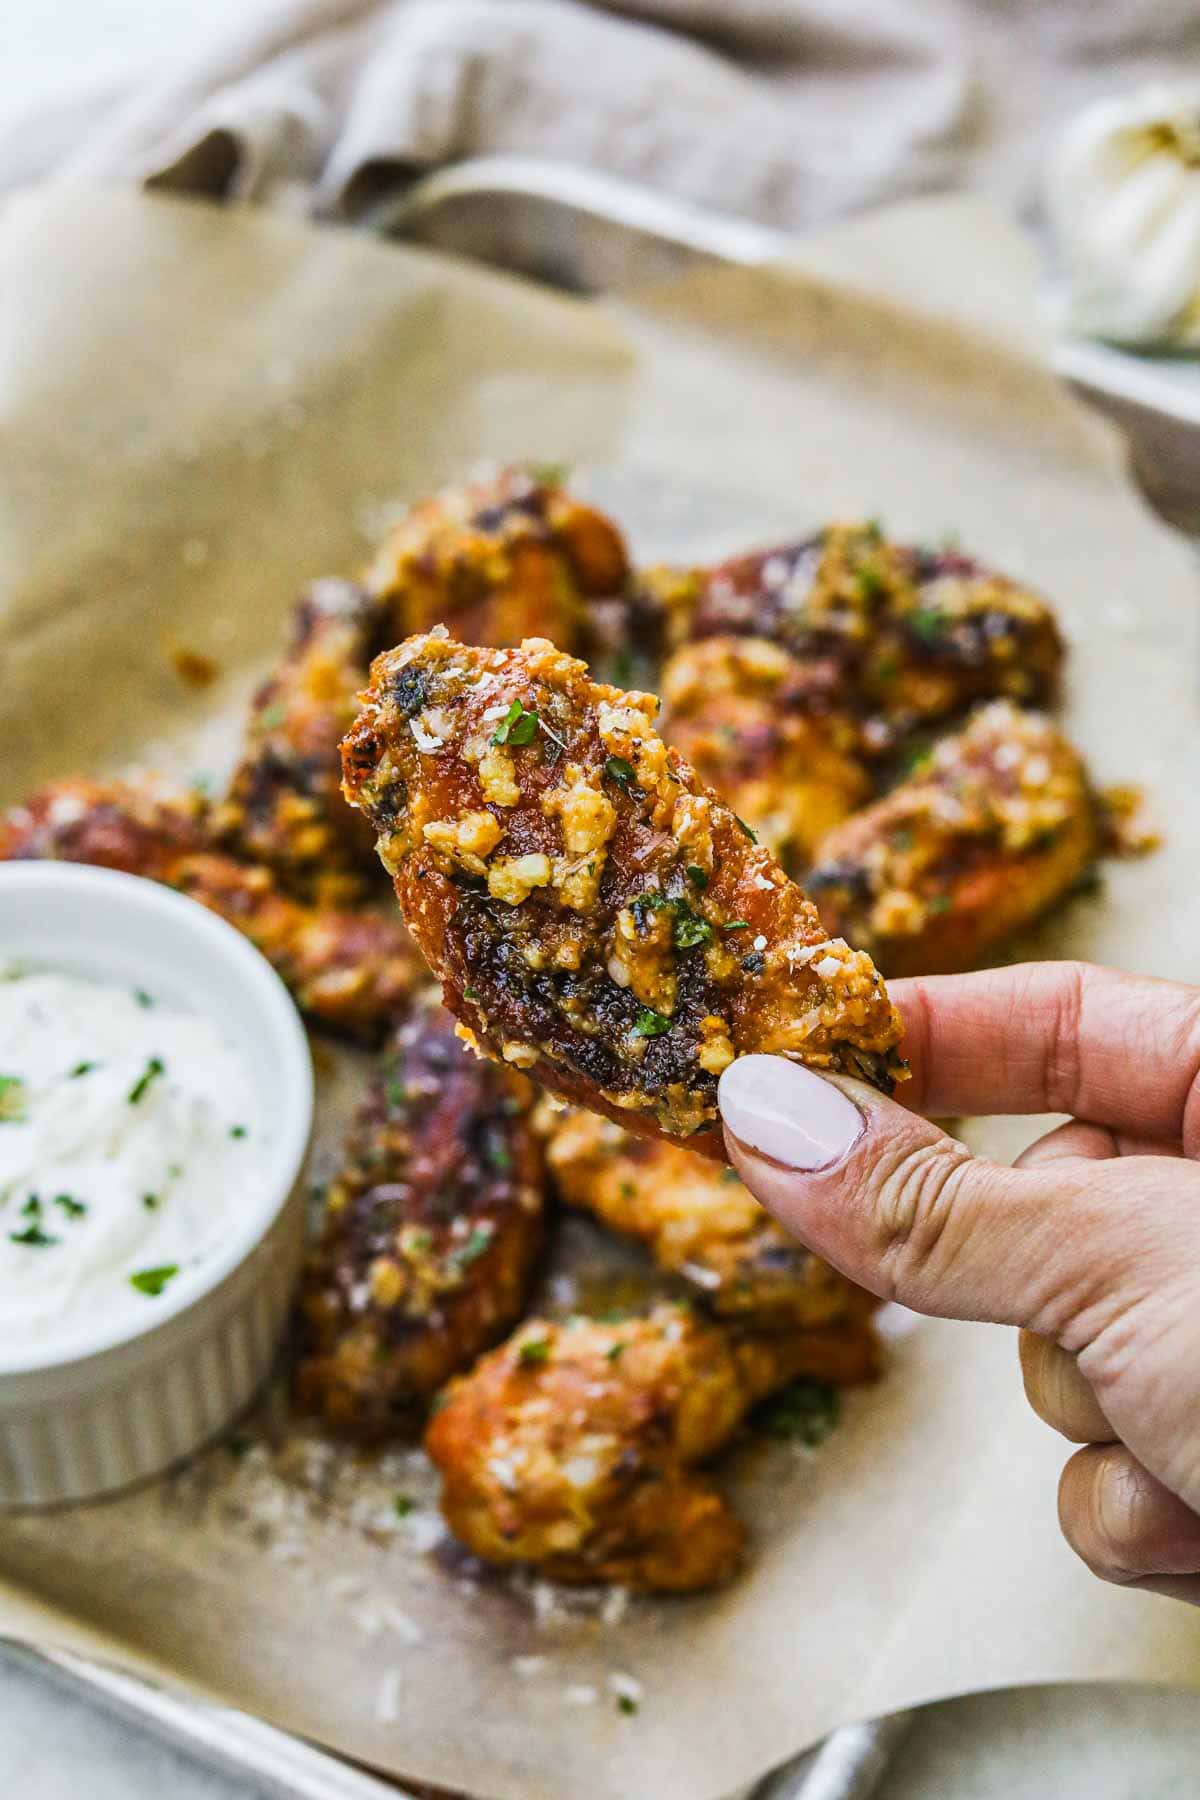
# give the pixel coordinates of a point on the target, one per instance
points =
(533, 1351)
(153, 1281)
(33, 1237)
(153, 1069)
(12, 1100)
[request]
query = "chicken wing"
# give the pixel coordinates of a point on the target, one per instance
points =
(763, 730)
(351, 972)
(597, 917)
(431, 1233)
(284, 807)
(698, 1221)
(499, 561)
(912, 635)
(996, 826)
(572, 1447)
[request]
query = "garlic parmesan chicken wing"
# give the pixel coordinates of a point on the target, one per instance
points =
(699, 1222)
(911, 635)
(284, 807)
(350, 972)
(597, 917)
(998, 824)
(574, 1446)
(431, 1233)
(499, 561)
(765, 732)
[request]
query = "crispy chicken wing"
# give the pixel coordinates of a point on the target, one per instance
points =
(698, 1221)
(572, 1447)
(498, 561)
(431, 1232)
(998, 824)
(284, 807)
(763, 730)
(597, 917)
(350, 972)
(913, 635)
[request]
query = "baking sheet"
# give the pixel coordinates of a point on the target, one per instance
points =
(201, 410)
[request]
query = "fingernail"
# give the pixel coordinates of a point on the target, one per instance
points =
(787, 1113)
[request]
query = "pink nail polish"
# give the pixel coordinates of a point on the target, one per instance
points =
(787, 1113)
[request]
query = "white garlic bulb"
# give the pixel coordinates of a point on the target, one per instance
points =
(1123, 203)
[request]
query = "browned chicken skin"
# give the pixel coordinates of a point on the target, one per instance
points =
(572, 1447)
(699, 1222)
(284, 807)
(996, 826)
(351, 972)
(761, 728)
(912, 635)
(499, 560)
(597, 917)
(431, 1233)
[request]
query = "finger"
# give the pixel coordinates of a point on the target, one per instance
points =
(1077, 1141)
(1125, 1525)
(1121, 1050)
(1059, 1394)
(907, 1212)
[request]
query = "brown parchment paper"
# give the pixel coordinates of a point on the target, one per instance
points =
(199, 410)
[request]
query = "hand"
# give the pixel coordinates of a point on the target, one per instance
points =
(1091, 1243)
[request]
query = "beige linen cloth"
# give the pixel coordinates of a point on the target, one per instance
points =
(786, 111)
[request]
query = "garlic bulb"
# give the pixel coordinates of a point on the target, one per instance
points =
(1123, 203)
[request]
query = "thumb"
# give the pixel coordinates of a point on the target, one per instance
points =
(910, 1214)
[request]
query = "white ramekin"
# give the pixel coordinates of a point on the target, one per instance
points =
(111, 1406)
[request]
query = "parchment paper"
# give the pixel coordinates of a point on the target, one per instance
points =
(200, 410)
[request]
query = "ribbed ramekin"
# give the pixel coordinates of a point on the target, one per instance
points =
(109, 1405)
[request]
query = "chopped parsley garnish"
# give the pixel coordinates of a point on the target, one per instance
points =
(238, 1131)
(395, 1093)
(650, 1023)
(272, 717)
(470, 994)
(498, 1156)
(736, 925)
(698, 875)
(402, 1505)
(626, 1703)
(33, 1237)
(237, 1447)
(517, 726)
(902, 839)
(153, 1281)
(620, 771)
(151, 1202)
(938, 903)
(730, 1176)
(887, 668)
(749, 830)
(548, 474)
(807, 1412)
(627, 1190)
(473, 1249)
(928, 627)
(533, 1351)
(142, 997)
(67, 1203)
(12, 1100)
(32, 1208)
(614, 1352)
(690, 929)
(153, 1069)
(869, 582)
(83, 1068)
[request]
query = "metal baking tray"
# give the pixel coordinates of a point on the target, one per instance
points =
(588, 233)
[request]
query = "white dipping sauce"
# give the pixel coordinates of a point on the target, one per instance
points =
(128, 1143)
